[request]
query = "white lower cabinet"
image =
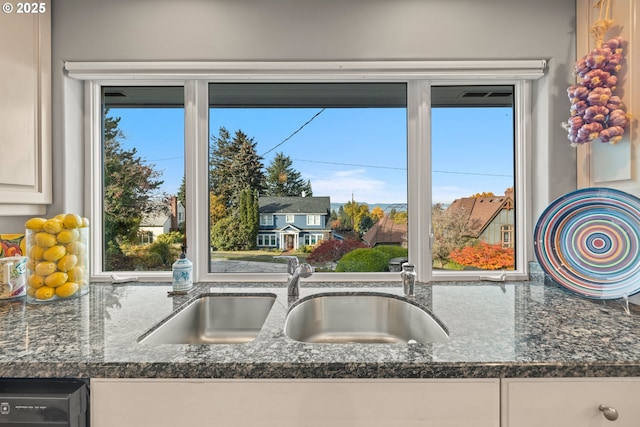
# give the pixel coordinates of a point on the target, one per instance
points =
(563, 402)
(295, 403)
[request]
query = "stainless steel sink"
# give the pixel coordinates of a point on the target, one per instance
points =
(214, 319)
(368, 318)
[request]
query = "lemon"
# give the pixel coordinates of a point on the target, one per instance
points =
(44, 292)
(35, 281)
(60, 217)
(31, 264)
(35, 223)
(45, 268)
(85, 222)
(76, 274)
(68, 236)
(56, 279)
(45, 239)
(31, 292)
(76, 248)
(72, 221)
(53, 226)
(36, 252)
(66, 290)
(54, 253)
(67, 262)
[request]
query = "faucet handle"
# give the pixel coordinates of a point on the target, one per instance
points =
(292, 262)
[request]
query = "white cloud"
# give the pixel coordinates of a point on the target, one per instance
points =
(341, 185)
(447, 194)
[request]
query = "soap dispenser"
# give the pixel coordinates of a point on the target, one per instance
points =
(182, 271)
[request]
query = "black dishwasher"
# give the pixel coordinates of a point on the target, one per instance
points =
(44, 402)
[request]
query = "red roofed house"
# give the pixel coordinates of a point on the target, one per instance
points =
(386, 232)
(489, 219)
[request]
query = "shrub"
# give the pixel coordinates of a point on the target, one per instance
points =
(171, 237)
(228, 234)
(363, 260)
(332, 250)
(393, 251)
(485, 256)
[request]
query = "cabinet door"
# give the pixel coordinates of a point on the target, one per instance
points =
(570, 402)
(295, 403)
(25, 108)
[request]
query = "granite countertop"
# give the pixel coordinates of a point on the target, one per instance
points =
(520, 329)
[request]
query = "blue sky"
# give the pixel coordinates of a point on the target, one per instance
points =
(345, 151)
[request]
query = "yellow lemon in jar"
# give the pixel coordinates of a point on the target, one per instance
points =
(66, 290)
(76, 274)
(35, 223)
(72, 221)
(85, 222)
(60, 217)
(45, 268)
(68, 236)
(76, 247)
(56, 279)
(45, 239)
(36, 252)
(54, 253)
(31, 264)
(44, 293)
(67, 262)
(35, 281)
(53, 226)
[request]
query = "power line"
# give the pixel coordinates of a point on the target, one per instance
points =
(397, 168)
(296, 131)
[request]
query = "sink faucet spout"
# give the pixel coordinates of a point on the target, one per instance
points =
(295, 271)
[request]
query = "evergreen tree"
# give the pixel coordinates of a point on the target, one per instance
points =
(234, 165)
(130, 186)
(283, 180)
(249, 216)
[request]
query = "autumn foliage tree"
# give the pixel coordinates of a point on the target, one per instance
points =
(131, 190)
(485, 256)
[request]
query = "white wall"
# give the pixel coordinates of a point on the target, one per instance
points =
(87, 30)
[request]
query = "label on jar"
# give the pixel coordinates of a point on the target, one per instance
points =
(182, 275)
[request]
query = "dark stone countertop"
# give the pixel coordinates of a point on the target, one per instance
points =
(524, 329)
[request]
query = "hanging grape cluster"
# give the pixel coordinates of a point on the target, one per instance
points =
(595, 111)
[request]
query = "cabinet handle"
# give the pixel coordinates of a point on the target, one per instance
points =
(609, 412)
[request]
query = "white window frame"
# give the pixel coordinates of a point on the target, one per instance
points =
(313, 219)
(290, 218)
(420, 76)
(313, 236)
(266, 219)
(271, 239)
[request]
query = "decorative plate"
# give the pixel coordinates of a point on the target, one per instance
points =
(588, 241)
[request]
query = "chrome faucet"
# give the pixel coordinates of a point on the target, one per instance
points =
(295, 271)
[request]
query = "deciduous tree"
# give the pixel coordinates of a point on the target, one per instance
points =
(131, 186)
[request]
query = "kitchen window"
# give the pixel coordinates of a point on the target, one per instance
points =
(421, 81)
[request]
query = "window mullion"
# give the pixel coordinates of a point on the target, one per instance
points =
(418, 178)
(196, 132)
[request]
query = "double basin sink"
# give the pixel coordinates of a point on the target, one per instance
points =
(327, 317)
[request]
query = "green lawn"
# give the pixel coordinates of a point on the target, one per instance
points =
(255, 255)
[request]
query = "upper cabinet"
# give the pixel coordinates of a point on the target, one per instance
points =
(25, 108)
(602, 164)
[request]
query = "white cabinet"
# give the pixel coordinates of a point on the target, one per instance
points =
(295, 403)
(25, 108)
(562, 402)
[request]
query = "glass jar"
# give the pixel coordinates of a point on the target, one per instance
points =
(58, 258)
